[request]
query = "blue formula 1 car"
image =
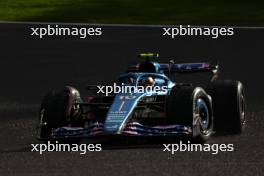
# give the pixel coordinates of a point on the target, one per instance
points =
(153, 105)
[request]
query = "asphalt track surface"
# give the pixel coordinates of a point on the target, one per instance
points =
(29, 67)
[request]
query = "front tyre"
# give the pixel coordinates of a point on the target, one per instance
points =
(56, 110)
(191, 106)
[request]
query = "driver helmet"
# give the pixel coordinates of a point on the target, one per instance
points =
(149, 81)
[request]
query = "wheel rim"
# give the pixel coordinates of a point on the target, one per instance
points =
(41, 124)
(202, 112)
(41, 119)
(242, 106)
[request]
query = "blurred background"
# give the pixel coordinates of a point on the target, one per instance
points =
(199, 12)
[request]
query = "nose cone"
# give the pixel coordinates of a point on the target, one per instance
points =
(119, 112)
(115, 122)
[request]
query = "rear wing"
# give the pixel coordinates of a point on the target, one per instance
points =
(210, 67)
(190, 67)
(149, 65)
(172, 68)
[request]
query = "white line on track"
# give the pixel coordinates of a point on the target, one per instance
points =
(122, 25)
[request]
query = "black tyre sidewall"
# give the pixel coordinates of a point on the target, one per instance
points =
(226, 98)
(180, 110)
(53, 109)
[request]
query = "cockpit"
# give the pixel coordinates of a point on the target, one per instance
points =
(143, 79)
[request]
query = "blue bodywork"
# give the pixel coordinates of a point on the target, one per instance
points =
(123, 105)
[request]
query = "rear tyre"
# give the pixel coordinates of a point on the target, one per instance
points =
(190, 106)
(229, 106)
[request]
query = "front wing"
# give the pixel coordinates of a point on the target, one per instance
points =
(131, 129)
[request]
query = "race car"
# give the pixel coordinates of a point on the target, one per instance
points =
(167, 108)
